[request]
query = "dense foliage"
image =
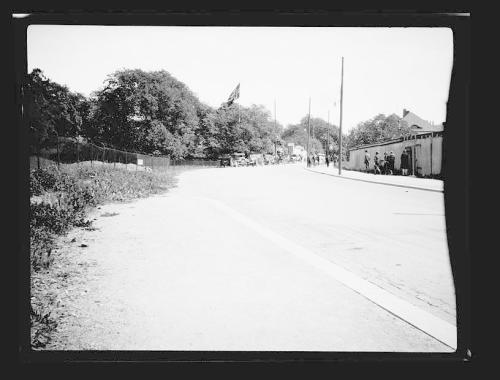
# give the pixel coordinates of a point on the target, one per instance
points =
(53, 110)
(378, 129)
(61, 198)
(148, 112)
(323, 136)
(154, 113)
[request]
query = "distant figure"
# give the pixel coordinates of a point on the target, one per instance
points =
(317, 159)
(367, 161)
(376, 163)
(386, 164)
(308, 161)
(404, 162)
(392, 161)
(327, 161)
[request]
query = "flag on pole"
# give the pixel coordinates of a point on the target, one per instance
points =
(234, 95)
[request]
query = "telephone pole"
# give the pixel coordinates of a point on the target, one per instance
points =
(275, 129)
(340, 124)
(308, 131)
(328, 135)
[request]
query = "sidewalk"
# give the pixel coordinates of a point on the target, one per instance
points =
(391, 180)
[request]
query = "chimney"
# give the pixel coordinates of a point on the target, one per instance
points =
(405, 112)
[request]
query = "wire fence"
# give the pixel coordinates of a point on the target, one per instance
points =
(63, 150)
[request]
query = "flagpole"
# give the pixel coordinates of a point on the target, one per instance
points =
(340, 124)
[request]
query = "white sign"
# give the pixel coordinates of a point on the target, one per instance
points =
(139, 161)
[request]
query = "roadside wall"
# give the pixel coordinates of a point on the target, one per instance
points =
(428, 149)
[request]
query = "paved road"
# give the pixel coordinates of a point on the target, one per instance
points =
(210, 266)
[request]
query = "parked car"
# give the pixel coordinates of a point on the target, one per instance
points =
(269, 159)
(225, 160)
(256, 159)
(239, 159)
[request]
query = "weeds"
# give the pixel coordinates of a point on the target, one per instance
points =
(60, 200)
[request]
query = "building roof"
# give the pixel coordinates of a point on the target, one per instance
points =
(418, 124)
(388, 142)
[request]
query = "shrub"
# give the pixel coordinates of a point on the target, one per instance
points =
(41, 243)
(43, 179)
(73, 189)
(64, 195)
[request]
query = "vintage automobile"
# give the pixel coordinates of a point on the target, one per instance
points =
(269, 159)
(239, 159)
(256, 159)
(225, 160)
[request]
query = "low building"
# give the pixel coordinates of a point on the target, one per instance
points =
(424, 146)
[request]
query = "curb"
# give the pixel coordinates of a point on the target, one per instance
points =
(380, 183)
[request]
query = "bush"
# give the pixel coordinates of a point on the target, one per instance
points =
(63, 196)
(43, 179)
(41, 243)
(73, 190)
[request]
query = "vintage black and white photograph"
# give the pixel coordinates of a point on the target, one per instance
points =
(239, 188)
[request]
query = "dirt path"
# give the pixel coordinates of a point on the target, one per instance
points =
(170, 272)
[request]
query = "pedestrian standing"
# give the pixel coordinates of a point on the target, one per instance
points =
(367, 161)
(308, 161)
(404, 162)
(392, 160)
(327, 161)
(376, 163)
(386, 163)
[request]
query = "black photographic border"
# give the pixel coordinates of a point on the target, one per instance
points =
(455, 159)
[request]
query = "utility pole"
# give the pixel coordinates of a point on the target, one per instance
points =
(308, 131)
(340, 124)
(275, 129)
(328, 135)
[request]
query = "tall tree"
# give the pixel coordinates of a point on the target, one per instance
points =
(321, 132)
(53, 110)
(147, 111)
(378, 129)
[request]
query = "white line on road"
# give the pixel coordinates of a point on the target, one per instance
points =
(441, 330)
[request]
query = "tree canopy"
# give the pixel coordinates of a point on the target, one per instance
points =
(52, 109)
(147, 112)
(378, 129)
(321, 131)
(153, 112)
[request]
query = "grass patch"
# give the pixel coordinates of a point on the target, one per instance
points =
(60, 200)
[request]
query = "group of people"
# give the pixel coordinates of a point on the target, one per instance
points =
(314, 160)
(386, 164)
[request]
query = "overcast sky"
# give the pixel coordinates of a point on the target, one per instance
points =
(385, 69)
